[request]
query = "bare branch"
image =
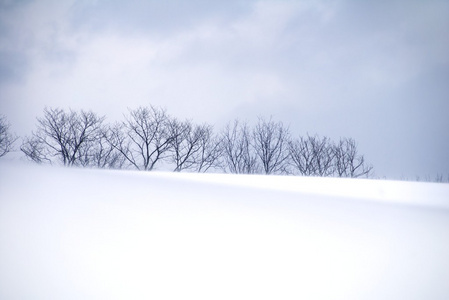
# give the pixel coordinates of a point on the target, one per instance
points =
(6, 138)
(237, 153)
(347, 162)
(66, 136)
(146, 139)
(270, 142)
(312, 156)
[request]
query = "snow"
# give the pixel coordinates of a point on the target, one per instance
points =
(98, 234)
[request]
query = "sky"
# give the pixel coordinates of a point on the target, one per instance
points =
(375, 71)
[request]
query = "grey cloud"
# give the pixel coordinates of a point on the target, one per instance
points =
(6, 5)
(151, 17)
(13, 67)
(376, 71)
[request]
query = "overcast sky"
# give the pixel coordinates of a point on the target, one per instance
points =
(376, 71)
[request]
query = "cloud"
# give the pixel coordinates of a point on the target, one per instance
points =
(369, 70)
(153, 17)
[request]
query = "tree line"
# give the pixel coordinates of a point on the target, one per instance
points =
(148, 138)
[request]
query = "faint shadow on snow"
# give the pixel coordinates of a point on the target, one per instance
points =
(97, 234)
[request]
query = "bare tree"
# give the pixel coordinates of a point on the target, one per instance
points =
(7, 139)
(312, 156)
(270, 142)
(64, 136)
(185, 143)
(348, 163)
(341, 162)
(144, 138)
(322, 150)
(35, 150)
(315, 156)
(193, 147)
(302, 156)
(237, 153)
(101, 154)
(210, 150)
(117, 139)
(149, 136)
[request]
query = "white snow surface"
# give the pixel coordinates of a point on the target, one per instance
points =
(98, 234)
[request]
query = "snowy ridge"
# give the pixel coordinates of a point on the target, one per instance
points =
(408, 193)
(96, 234)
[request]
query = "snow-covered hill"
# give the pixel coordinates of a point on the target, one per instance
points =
(96, 234)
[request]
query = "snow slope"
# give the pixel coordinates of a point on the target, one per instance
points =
(96, 234)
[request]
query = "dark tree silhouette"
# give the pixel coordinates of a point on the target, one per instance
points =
(210, 151)
(270, 142)
(149, 136)
(193, 146)
(315, 156)
(311, 156)
(347, 162)
(237, 153)
(64, 136)
(7, 139)
(144, 138)
(101, 154)
(184, 144)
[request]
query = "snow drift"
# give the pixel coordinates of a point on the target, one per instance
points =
(96, 234)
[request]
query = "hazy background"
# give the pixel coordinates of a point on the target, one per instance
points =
(376, 71)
